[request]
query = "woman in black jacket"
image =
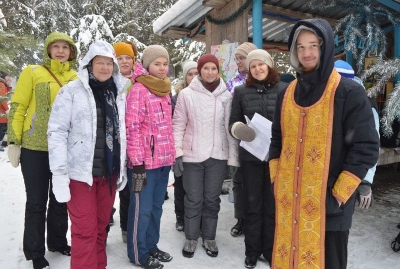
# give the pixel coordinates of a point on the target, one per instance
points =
(258, 95)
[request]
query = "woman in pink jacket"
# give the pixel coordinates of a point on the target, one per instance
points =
(151, 152)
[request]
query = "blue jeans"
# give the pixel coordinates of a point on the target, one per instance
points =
(144, 216)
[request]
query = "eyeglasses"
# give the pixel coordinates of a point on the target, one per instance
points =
(240, 59)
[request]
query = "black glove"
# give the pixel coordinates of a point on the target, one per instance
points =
(364, 196)
(396, 243)
(138, 178)
(231, 171)
(178, 167)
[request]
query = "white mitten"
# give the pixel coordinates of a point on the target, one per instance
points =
(61, 188)
(243, 132)
(14, 152)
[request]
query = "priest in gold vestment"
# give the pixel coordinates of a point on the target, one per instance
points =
(323, 143)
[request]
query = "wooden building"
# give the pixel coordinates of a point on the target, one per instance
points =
(267, 24)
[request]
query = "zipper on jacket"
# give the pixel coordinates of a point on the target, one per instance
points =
(73, 145)
(215, 112)
(49, 105)
(162, 111)
(152, 145)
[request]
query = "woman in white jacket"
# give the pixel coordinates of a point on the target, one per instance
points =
(204, 148)
(87, 149)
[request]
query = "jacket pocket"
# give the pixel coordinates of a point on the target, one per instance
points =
(332, 205)
(76, 143)
(187, 142)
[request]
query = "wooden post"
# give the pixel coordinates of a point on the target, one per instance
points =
(235, 31)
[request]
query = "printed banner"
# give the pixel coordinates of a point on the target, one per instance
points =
(226, 57)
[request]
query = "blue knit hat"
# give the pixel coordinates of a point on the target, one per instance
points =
(344, 69)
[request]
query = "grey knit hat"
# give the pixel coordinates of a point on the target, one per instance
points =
(293, 57)
(261, 55)
(245, 48)
(153, 52)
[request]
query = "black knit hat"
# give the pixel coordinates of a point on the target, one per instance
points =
(3, 74)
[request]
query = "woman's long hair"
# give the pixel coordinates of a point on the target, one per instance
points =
(273, 77)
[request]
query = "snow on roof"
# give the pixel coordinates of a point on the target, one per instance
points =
(182, 13)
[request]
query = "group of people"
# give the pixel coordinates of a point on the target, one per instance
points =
(81, 136)
(78, 141)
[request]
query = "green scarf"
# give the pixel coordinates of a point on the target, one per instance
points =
(160, 87)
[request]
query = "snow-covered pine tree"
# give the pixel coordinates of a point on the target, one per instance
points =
(125, 37)
(32, 20)
(189, 50)
(91, 28)
(16, 36)
(3, 21)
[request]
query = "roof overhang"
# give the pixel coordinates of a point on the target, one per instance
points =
(188, 14)
(186, 19)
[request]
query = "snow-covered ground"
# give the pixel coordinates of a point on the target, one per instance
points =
(369, 245)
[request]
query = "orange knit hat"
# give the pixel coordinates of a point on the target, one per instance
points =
(122, 48)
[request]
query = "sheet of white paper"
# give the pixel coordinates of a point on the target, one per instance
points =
(259, 147)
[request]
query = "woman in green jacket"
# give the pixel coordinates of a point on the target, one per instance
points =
(31, 105)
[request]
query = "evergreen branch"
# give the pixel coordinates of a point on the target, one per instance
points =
(383, 71)
(391, 111)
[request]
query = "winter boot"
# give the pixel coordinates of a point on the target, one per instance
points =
(152, 263)
(189, 248)
(396, 243)
(250, 262)
(111, 223)
(211, 247)
(180, 223)
(124, 236)
(40, 263)
(65, 250)
(161, 256)
(237, 230)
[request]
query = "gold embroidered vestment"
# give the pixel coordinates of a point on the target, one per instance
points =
(301, 176)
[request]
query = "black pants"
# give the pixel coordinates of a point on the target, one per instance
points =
(37, 177)
(259, 222)
(179, 194)
(3, 130)
(238, 194)
(336, 249)
(124, 198)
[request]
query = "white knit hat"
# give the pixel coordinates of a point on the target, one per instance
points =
(187, 65)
